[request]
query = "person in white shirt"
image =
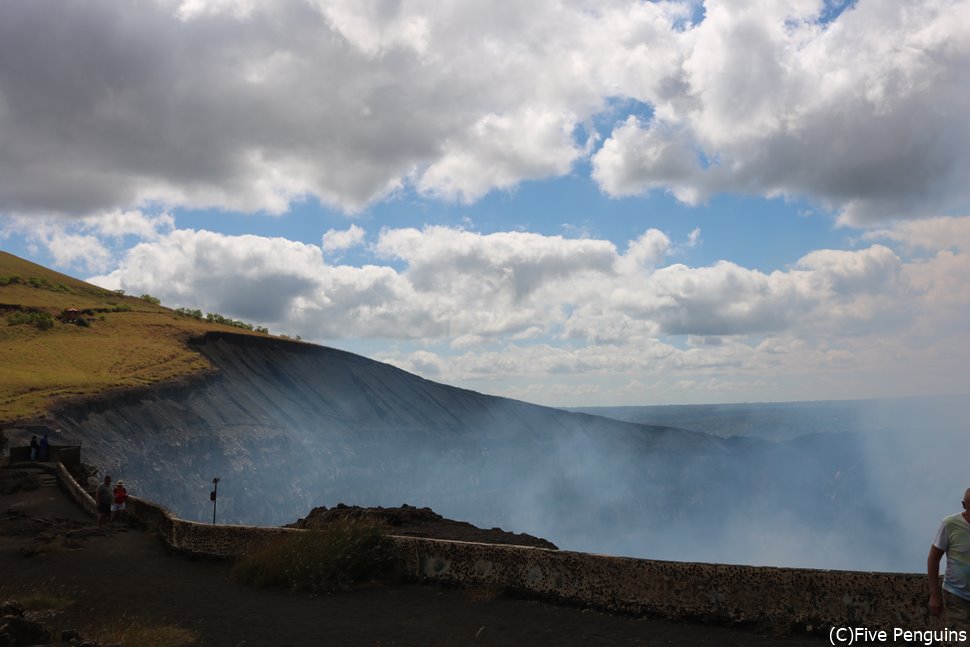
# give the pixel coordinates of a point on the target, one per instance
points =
(952, 540)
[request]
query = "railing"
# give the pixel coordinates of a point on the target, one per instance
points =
(67, 453)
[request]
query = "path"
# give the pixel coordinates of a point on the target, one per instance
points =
(130, 572)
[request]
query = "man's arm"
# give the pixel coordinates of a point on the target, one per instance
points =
(933, 575)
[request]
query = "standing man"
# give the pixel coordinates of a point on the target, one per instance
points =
(104, 497)
(952, 540)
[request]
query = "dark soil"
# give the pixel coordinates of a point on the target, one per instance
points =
(122, 572)
(419, 522)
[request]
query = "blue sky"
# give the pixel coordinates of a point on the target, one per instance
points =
(571, 203)
(733, 226)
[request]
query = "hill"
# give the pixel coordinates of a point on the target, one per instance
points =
(116, 342)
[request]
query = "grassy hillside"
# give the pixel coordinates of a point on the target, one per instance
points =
(123, 341)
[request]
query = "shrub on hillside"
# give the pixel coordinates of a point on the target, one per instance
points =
(10, 279)
(41, 320)
(150, 299)
(195, 314)
(320, 561)
(215, 317)
(41, 283)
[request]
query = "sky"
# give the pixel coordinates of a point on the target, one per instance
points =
(572, 203)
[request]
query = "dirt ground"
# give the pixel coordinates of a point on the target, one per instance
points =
(125, 572)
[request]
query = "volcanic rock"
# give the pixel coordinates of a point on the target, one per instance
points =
(409, 521)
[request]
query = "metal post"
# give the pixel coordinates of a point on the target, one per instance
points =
(213, 495)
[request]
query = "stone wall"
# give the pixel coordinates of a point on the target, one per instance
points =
(813, 600)
(210, 540)
(75, 491)
(810, 599)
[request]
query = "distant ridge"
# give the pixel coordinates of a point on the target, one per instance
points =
(786, 420)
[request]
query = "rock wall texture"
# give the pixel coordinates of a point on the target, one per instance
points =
(813, 600)
(289, 426)
(74, 489)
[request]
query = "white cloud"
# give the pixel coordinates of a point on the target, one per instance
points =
(249, 277)
(118, 224)
(499, 152)
(91, 243)
(863, 115)
(934, 234)
(645, 253)
(694, 238)
(636, 159)
(335, 240)
(501, 269)
(74, 249)
(248, 106)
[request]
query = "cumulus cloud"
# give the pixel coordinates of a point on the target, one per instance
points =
(516, 307)
(500, 151)
(861, 114)
(636, 159)
(501, 267)
(251, 277)
(933, 234)
(248, 106)
(334, 240)
(469, 287)
(91, 243)
(645, 252)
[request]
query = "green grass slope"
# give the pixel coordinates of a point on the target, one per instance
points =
(123, 342)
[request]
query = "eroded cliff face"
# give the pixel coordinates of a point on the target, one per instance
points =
(289, 426)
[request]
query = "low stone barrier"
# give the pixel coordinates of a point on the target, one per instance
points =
(210, 540)
(74, 489)
(809, 599)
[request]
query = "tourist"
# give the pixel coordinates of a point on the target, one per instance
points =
(34, 448)
(120, 497)
(952, 540)
(44, 449)
(104, 498)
